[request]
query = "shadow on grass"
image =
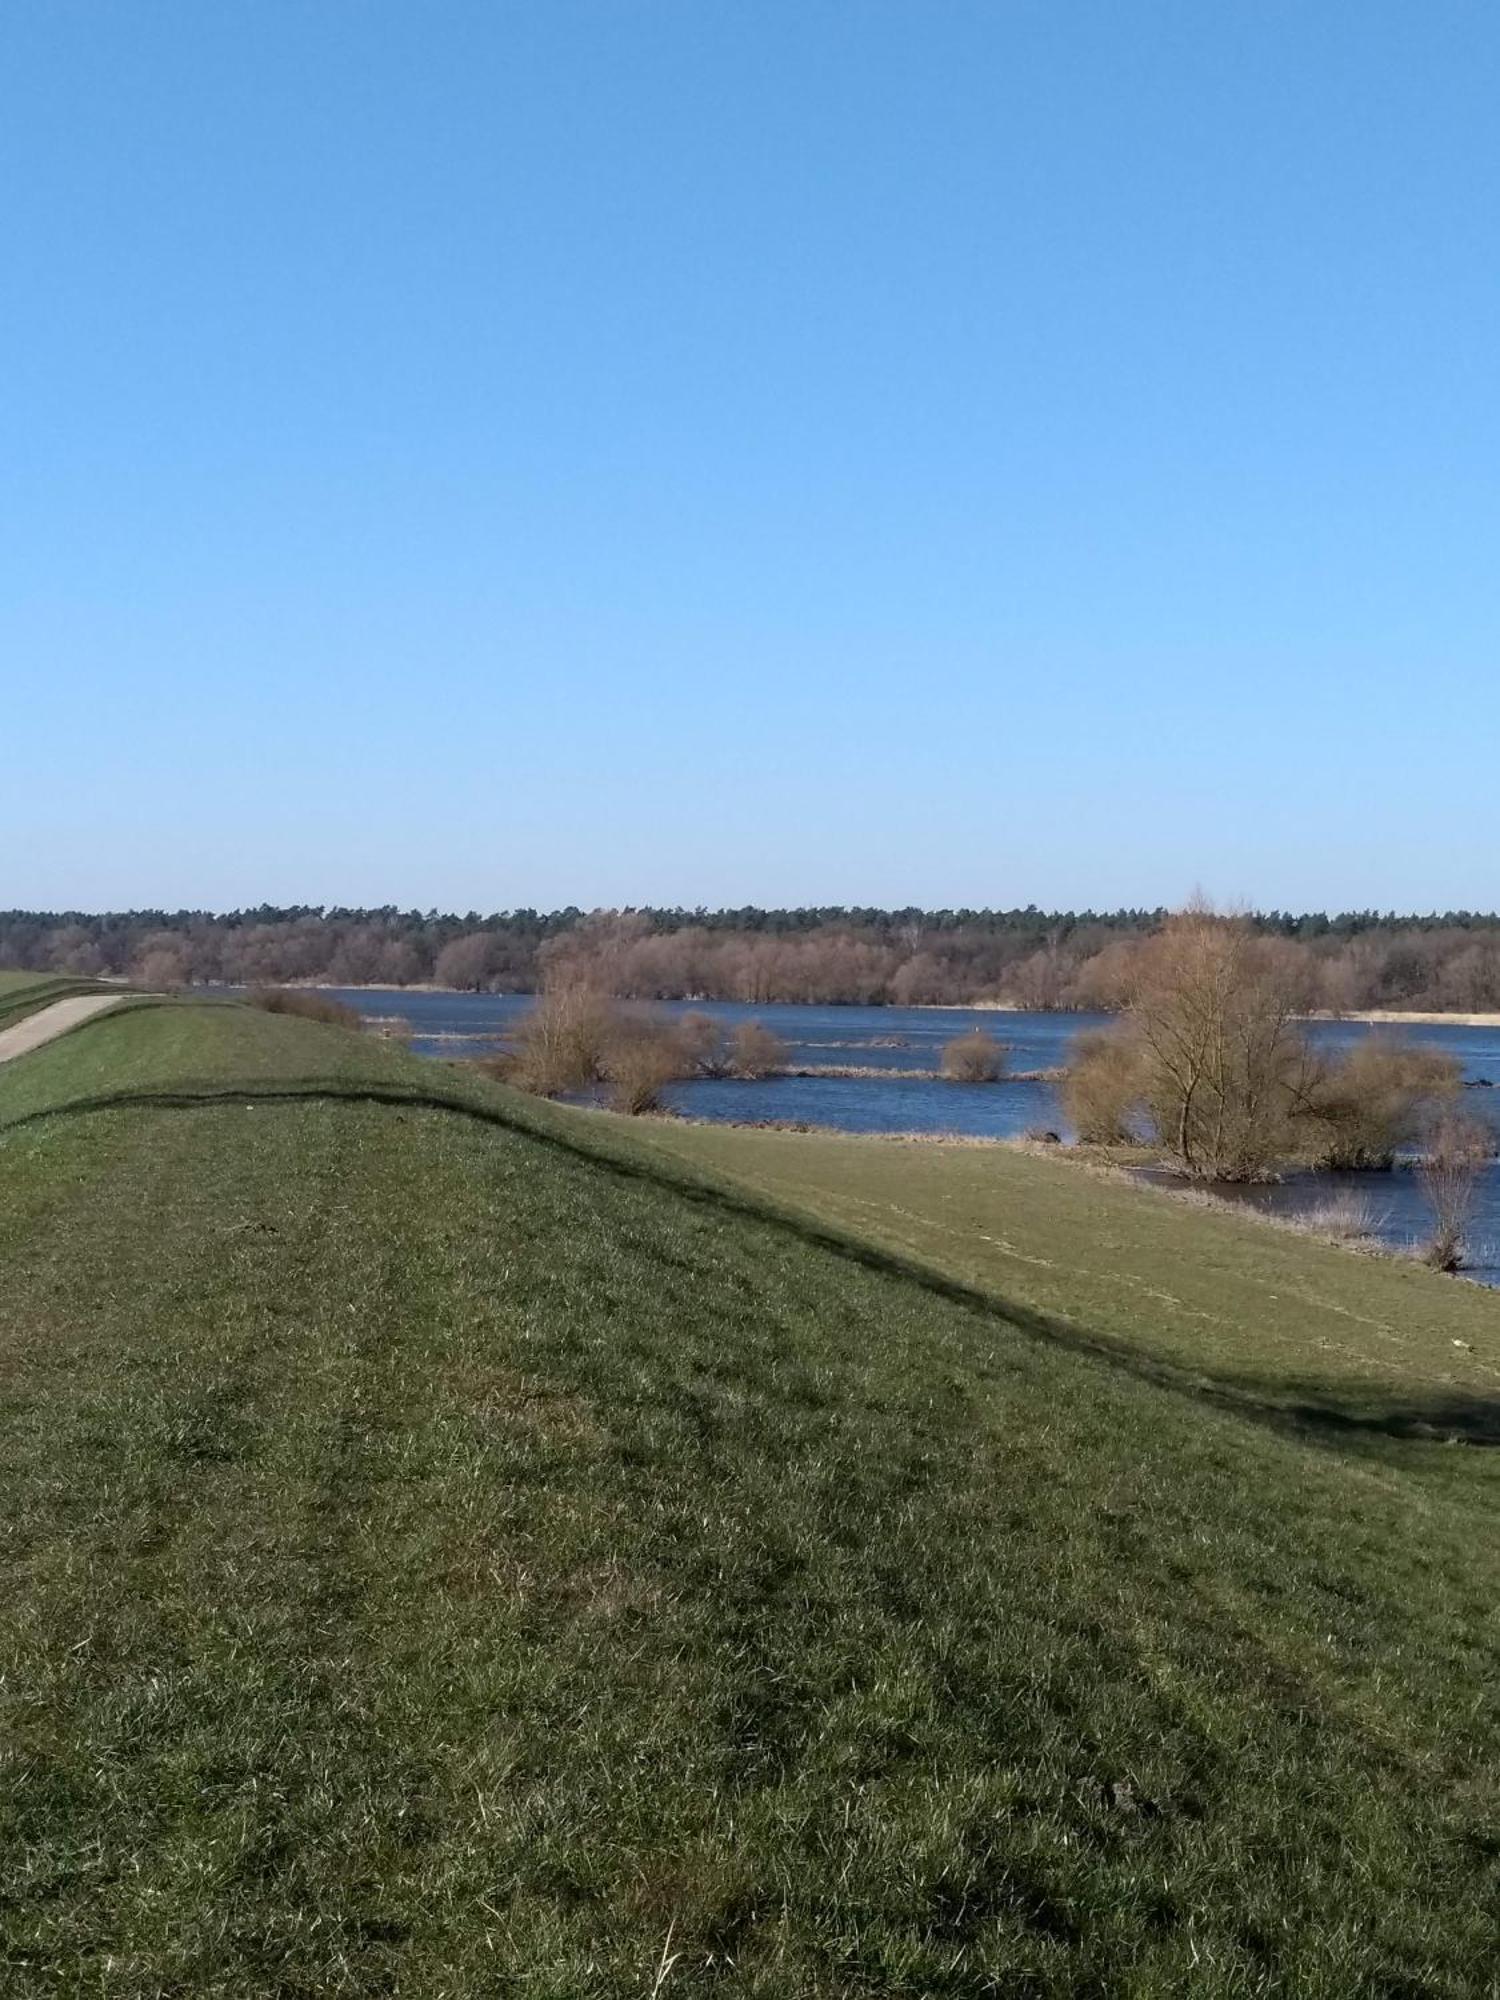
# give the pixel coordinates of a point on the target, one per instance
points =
(1307, 1410)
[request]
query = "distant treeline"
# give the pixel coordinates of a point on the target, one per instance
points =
(1030, 958)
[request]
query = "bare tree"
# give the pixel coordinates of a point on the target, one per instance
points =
(595, 952)
(923, 977)
(71, 949)
(464, 962)
(1458, 1152)
(1225, 1067)
(1039, 982)
(1103, 979)
(162, 968)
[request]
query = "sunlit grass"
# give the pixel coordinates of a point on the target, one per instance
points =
(1210, 1293)
(456, 1550)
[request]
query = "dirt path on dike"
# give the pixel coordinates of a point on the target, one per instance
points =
(48, 1022)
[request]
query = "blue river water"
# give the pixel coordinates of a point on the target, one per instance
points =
(902, 1042)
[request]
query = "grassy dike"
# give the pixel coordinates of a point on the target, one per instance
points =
(453, 1546)
(23, 993)
(1221, 1305)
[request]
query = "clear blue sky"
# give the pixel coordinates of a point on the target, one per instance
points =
(679, 450)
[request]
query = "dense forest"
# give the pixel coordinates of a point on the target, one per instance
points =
(1029, 958)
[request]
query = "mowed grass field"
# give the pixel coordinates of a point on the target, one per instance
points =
(453, 1546)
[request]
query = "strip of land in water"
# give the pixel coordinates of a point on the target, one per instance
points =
(1399, 1017)
(1375, 1016)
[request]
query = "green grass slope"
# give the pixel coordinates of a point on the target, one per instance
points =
(1227, 1304)
(449, 1550)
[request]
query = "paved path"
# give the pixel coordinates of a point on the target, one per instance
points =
(49, 1021)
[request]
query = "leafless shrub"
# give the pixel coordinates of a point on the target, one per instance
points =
(701, 1040)
(1102, 1085)
(562, 1040)
(755, 1051)
(1378, 1098)
(640, 1058)
(576, 1037)
(305, 1006)
(1458, 1151)
(974, 1057)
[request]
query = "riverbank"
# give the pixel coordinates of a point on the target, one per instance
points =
(1339, 1223)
